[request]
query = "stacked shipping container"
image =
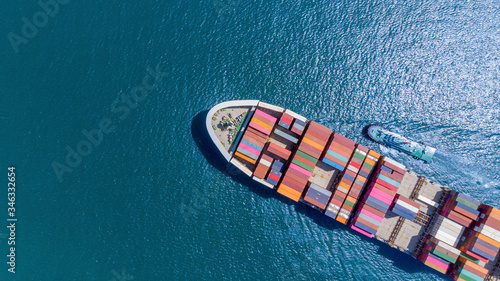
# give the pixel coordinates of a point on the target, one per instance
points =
(465, 269)
(438, 255)
(483, 242)
(379, 197)
(337, 156)
(478, 247)
(405, 207)
(255, 136)
(303, 162)
(461, 208)
(358, 171)
(447, 230)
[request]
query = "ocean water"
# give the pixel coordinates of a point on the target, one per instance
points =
(151, 200)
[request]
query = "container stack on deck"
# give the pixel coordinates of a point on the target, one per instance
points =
(461, 208)
(438, 255)
(480, 246)
(355, 179)
(466, 269)
(303, 162)
(405, 207)
(255, 136)
(337, 156)
(316, 137)
(379, 197)
(463, 239)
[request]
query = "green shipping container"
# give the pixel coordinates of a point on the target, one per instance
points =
(368, 166)
(466, 203)
(349, 203)
(443, 256)
(359, 156)
(307, 156)
(300, 164)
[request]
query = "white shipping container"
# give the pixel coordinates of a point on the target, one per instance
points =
(342, 215)
(361, 152)
(407, 206)
(448, 231)
(445, 238)
(265, 162)
(449, 248)
(452, 225)
(427, 201)
(342, 189)
(393, 162)
(490, 232)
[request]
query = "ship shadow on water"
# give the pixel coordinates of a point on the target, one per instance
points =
(214, 158)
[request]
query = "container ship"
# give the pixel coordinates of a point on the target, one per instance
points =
(374, 195)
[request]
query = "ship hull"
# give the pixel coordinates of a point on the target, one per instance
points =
(374, 195)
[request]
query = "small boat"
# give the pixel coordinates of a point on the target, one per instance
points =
(416, 149)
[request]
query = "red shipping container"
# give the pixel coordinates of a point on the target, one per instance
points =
(386, 184)
(335, 160)
(309, 149)
(297, 131)
(347, 207)
(362, 148)
(373, 210)
(336, 202)
(267, 158)
(354, 164)
(299, 182)
(278, 150)
(454, 217)
(274, 177)
(464, 212)
(341, 139)
(304, 160)
(292, 184)
(287, 118)
(342, 147)
(366, 170)
(367, 223)
(346, 181)
(314, 202)
(257, 134)
(260, 171)
(394, 176)
(318, 137)
(408, 201)
(492, 222)
(298, 176)
(320, 127)
(338, 196)
(254, 140)
(351, 173)
(340, 151)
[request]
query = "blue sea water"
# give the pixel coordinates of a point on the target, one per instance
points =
(153, 201)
